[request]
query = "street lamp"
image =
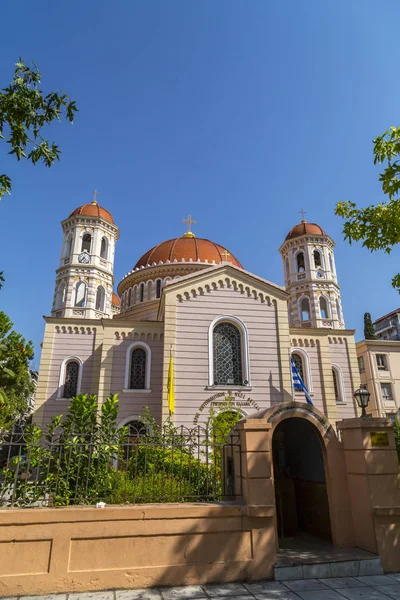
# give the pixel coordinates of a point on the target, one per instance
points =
(362, 396)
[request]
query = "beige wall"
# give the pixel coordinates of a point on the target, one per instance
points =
(373, 377)
(189, 306)
(76, 549)
(102, 346)
(131, 402)
(190, 309)
(324, 350)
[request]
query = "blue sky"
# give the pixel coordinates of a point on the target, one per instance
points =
(241, 112)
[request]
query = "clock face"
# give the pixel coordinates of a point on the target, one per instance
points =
(84, 258)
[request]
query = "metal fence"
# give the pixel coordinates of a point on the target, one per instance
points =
(171, 465)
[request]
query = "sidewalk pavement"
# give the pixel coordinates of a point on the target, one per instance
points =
(373, 587)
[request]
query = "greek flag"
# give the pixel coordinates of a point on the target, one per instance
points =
(298, 383)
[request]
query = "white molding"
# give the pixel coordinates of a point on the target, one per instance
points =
(129, 419)
(132, 391)
(340, 382)
(306, 366)
(146, 347)
(244, 339)
(61, 379)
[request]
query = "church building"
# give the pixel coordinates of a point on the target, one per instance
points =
(229, 331)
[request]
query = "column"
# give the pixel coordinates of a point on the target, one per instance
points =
(374, 484)
(254, 483)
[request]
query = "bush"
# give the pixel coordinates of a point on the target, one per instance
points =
(396, 428)
(150, 487)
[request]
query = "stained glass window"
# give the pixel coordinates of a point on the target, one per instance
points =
(71, 379)
(138, 369)
(158, 288)
(141, 292)
(335, 385)
(227, 355)
(298, 361)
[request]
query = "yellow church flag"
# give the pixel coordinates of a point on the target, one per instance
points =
(171, 393)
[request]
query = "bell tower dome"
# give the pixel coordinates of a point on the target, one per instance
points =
(310, 277)
(85, 276)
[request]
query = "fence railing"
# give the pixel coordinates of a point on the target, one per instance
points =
(172, 465)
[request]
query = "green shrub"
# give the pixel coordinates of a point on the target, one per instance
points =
(150, 487)
(396, 428)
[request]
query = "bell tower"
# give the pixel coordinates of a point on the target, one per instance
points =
(310, 277)
(85, 276)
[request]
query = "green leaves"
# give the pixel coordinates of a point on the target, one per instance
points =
(24, 111)
(16, 385)
(378, 227)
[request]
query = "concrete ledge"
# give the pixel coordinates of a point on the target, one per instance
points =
(348, 568)
(20, 516)
(261, 511)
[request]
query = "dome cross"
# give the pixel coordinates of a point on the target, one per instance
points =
(95, 194)
(189, 221)
(225, 255)
(302, 212)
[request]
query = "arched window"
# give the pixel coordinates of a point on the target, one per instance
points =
(61, 295)
(305, 309)
(290, 313)
(104, 247)
(298, 361)
(141, 292)
(138, 369)
(158, 288)
(287, 269)
(227, 355)
(338, 310)
(68, 245)
(129, 296)
(80, 294)
(136, 428)
(302, 362)
(300, 262)
(317, 259)
(86, 242)
(100, 298)
(338, 384)
(323, 307)
(335, 385)
(71, 379)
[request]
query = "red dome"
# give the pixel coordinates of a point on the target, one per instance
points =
(305, 228)
(115, 301)
(187, 248)
(93, 210)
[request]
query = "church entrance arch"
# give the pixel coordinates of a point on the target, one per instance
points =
(300, 481)
(304, 451)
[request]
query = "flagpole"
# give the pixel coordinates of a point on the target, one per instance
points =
(291, 374)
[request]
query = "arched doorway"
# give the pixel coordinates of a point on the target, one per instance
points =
(300, 480)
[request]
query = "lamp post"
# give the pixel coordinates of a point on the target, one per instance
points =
(362, 396)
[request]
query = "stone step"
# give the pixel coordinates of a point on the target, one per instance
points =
(324, 570)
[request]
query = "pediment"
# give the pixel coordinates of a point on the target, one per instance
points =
(224, 276)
